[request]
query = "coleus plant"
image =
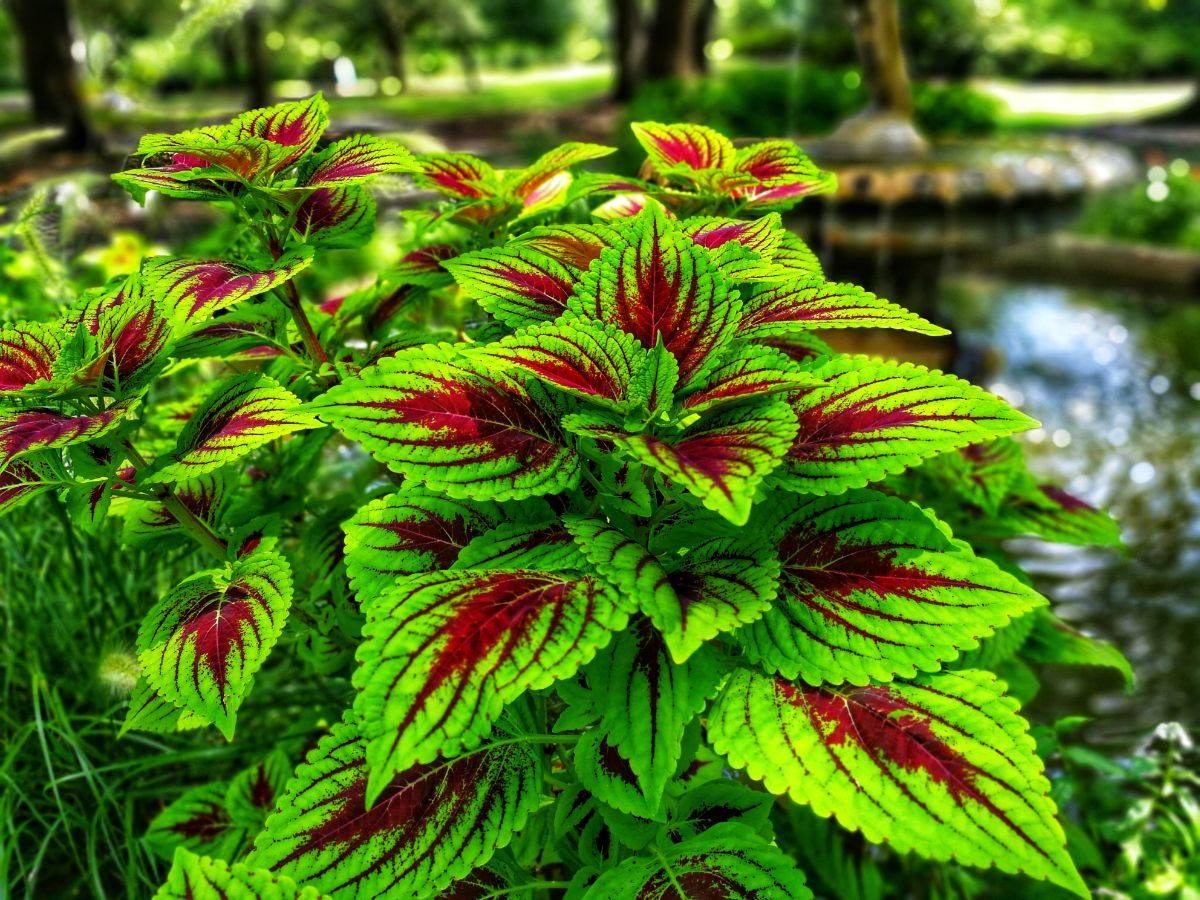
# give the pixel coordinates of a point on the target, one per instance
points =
(610, 546)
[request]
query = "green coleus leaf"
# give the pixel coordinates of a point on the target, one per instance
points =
(740, 250)
(544, 545)
(341, 217)
(795, 258)
(186, 184)
(195, 877)
(413, 530)
(721, 800)
(25, 479)
(26, 431)
(751, 371)
(722, 458)
(649, 701)
(27, 354)
(585, 359)
(942, 766)
(873, 587)
(815, 303)
(195, 289)
(609, 777)
(693, 146)
(430, 825)
(431, 414)
(150, 711)
(444, 652)
(198, 821)
(1053, 641)
(529, 182)
(355, 160)
(728, 860)
(201, 644)
(661, 286)
(517, 284)
(871, 419)
(718, 585)
(1055, 515)
(653, 385)
(237, 418)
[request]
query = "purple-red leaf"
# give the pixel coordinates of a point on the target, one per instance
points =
(444, 653)
(690, 146)
(336, 217)
(721, 459)
(27, 354)
(355, 160)
(433, 415)
(662, 287)
(517, 284)
(201, 644)
(23, 431)
(195, 289)
(295, 126)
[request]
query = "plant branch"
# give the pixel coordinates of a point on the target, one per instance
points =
(196, 527)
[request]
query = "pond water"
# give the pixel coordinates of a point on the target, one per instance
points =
(1115, 380)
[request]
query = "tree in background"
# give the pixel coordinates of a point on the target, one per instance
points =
(659, 44)
(50, 72)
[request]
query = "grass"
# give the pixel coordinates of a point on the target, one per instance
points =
(74, 800)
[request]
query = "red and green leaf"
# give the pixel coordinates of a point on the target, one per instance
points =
(457, 175)
(237, 418)
(528, 181)
(427, 827)
(150, 711)
(607, 775)
(871, 588)
(574, 246)
(25, 431)
(445, 651)
(27, 354)
(721, 459)
(872, 419)
(662, 286)
(295, 126)
(252, 793)
(432, 415)
(205, 497)
(783, 175)
(688, 146)
(355, 160)
(26, 478)
(543, 545)
(201, 644)
(411, 531)
(942, 766)
(588, 360)
(1055, 515)
(802, 305)
(750, 372)
(197, 289)
(199, 822)
(342, 217)
(726, 861)
(518, 285)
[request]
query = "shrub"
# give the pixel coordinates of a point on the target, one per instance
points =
(611, 546)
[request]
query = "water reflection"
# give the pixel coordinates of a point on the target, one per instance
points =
(1113, 379)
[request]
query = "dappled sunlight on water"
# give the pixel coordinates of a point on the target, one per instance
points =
(1115, 381)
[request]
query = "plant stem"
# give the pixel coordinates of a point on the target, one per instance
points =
(196, 527)
(311, 342)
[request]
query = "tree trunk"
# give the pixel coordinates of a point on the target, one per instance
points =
(51, 77)
(258, 67)
(876, 25)
(393, 33)
(702, 33)
(627, 48)
(669, 53)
